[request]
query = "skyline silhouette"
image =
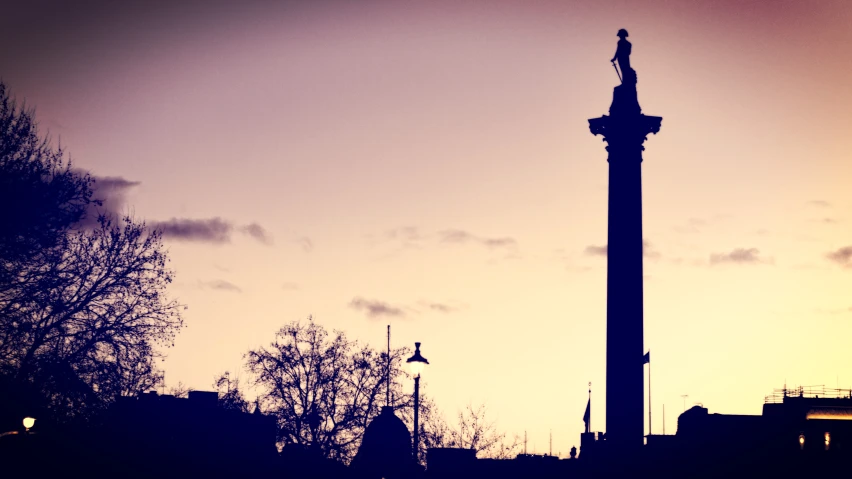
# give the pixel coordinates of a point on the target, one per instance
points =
(428, 166)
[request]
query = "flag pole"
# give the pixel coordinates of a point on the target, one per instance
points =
(650, 431)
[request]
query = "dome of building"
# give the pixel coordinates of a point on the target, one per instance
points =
(385, 448)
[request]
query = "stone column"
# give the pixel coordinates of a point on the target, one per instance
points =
(625, 130)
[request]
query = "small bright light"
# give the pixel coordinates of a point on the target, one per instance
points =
(416, 368)
(801, 440)
(416, 362)
(28, 423)
(827, 440)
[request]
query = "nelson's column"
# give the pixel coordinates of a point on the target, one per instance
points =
(624, 130)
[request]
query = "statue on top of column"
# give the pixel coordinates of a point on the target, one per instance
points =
(622, 54)
(624, 98)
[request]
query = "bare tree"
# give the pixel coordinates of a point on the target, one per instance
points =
(476, 431)
(93, 307)
(323, 388)
(40, 194)
(180, 390)
(473, 429)
(230, 395)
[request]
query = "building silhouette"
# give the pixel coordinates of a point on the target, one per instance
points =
(385, 450)
(165, 435)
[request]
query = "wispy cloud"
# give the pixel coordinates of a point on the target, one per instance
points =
(648, 250)
(109, 195)
(221, 285)
(444, 308)
(305, 243)
(209, 230)
(290, 286)
(375, 308)
(406, 234)
(842, 256)
(408, 237)
(739, 256)
(458, 236)
(257, 232)
(819, 203)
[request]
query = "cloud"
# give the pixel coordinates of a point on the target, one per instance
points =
(739, 256)
(306, 243)
(443, 308)
(594, 250)
(462, 237)
(819, 203)
(842, 256)
(211, 230)
(374, 308)
(109, 195)
(111, 191)
(648, 251)
(221, 285)
(407, 234)
(290, 286)
(257, 232)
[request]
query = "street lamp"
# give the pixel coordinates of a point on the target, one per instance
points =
(28, 423)
(416, 363)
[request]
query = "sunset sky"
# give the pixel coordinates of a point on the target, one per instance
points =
(428, 165)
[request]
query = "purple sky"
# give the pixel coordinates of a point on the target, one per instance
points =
(429, 164)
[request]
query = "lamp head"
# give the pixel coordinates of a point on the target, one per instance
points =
(28, 423)
(416, 362)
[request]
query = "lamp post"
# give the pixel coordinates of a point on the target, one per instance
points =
(416, 363)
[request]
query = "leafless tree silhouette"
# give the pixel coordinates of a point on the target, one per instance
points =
(473, 429)
(323, 388)
(230, 395)
(42, 196)
(83, 311)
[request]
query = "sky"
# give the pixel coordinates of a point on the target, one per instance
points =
(429, 165)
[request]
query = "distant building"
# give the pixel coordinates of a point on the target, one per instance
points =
(801, 431)
(164, 436)
(453, 463)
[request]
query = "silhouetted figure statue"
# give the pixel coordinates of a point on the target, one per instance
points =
(622, 54)
(624, 99)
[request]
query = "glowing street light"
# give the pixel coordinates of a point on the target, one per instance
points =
(416, 363)
(801, 441)
(28, 423)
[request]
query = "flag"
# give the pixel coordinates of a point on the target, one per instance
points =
(647, 358)
(588, 415)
